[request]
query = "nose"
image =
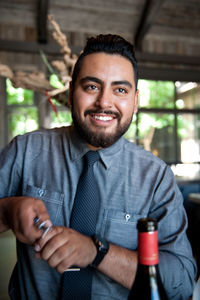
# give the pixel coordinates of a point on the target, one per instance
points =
(104, 99)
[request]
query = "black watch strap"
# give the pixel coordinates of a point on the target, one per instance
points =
(102, 249)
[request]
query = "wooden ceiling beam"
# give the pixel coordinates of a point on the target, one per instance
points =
(154, 73)
(33, 47)
(42, 13)
(167, 58)
(54, 49)
(169, 74)
(148, 16)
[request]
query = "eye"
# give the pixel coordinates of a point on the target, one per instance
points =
(90, 87)
(121, 90)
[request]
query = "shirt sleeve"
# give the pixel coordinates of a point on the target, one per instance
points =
(10, 170)
(176, 262)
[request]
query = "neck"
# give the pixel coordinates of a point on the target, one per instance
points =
(93, 148)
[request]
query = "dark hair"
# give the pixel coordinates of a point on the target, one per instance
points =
(111, 44)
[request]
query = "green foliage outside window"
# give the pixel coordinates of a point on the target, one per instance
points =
(63, 118)
(22, 115)
(55, 82)
(158, 126)
(18, 95)
(22, 120)
(156, 94)
(152, 94)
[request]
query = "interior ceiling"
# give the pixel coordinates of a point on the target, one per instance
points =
(166, 33)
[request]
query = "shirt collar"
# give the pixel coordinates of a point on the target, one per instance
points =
(78, 148)
(108, 155)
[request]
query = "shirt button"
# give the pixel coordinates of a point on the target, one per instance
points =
(41, 193)
(127, 217)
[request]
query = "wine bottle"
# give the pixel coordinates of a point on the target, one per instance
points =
(147, 284)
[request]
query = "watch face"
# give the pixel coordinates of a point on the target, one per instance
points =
(103, 245)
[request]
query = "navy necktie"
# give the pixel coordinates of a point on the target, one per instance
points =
(77, 284)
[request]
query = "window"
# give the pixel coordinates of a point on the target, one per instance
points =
(21, 111)
(168, 123)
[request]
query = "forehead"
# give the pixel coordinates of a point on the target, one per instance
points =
(107, 66)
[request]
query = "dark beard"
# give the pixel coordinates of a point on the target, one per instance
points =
(99, 139)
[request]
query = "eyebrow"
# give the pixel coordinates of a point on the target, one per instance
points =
(91, 78)
(97, 80)
(122, 82)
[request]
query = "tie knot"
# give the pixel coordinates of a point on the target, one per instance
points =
(91, 157)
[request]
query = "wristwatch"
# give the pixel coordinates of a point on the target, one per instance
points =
(102, 249)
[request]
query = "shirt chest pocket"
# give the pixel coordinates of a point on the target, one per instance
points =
(53, 200)
(120, 228)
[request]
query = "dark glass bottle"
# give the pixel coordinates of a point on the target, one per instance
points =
(147, 284)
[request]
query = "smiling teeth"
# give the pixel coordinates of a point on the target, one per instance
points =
(103, 118)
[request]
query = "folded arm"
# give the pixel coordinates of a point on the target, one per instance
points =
(64, 247)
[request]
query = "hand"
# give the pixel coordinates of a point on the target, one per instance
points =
(64, 247)
(19, 215)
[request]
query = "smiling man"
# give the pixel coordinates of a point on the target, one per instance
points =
(106, 98)
(40, 175)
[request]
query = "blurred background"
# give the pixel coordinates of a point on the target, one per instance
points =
(35, 70)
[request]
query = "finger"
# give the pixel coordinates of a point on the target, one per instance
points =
(67, 263)
(55, 250)
(42, 241)
(63, 257)
(43, 226)
(65, 251)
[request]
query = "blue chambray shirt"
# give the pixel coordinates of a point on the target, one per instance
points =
(132, 183)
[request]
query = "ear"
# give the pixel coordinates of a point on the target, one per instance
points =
(136, 99)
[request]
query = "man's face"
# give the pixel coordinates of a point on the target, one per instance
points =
(104, 99)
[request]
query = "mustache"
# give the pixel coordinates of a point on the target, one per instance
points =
(106, 112)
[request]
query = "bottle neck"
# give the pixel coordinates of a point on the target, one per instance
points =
(148, 248)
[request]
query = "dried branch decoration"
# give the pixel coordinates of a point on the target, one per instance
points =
(66, 66)
(37, 81)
